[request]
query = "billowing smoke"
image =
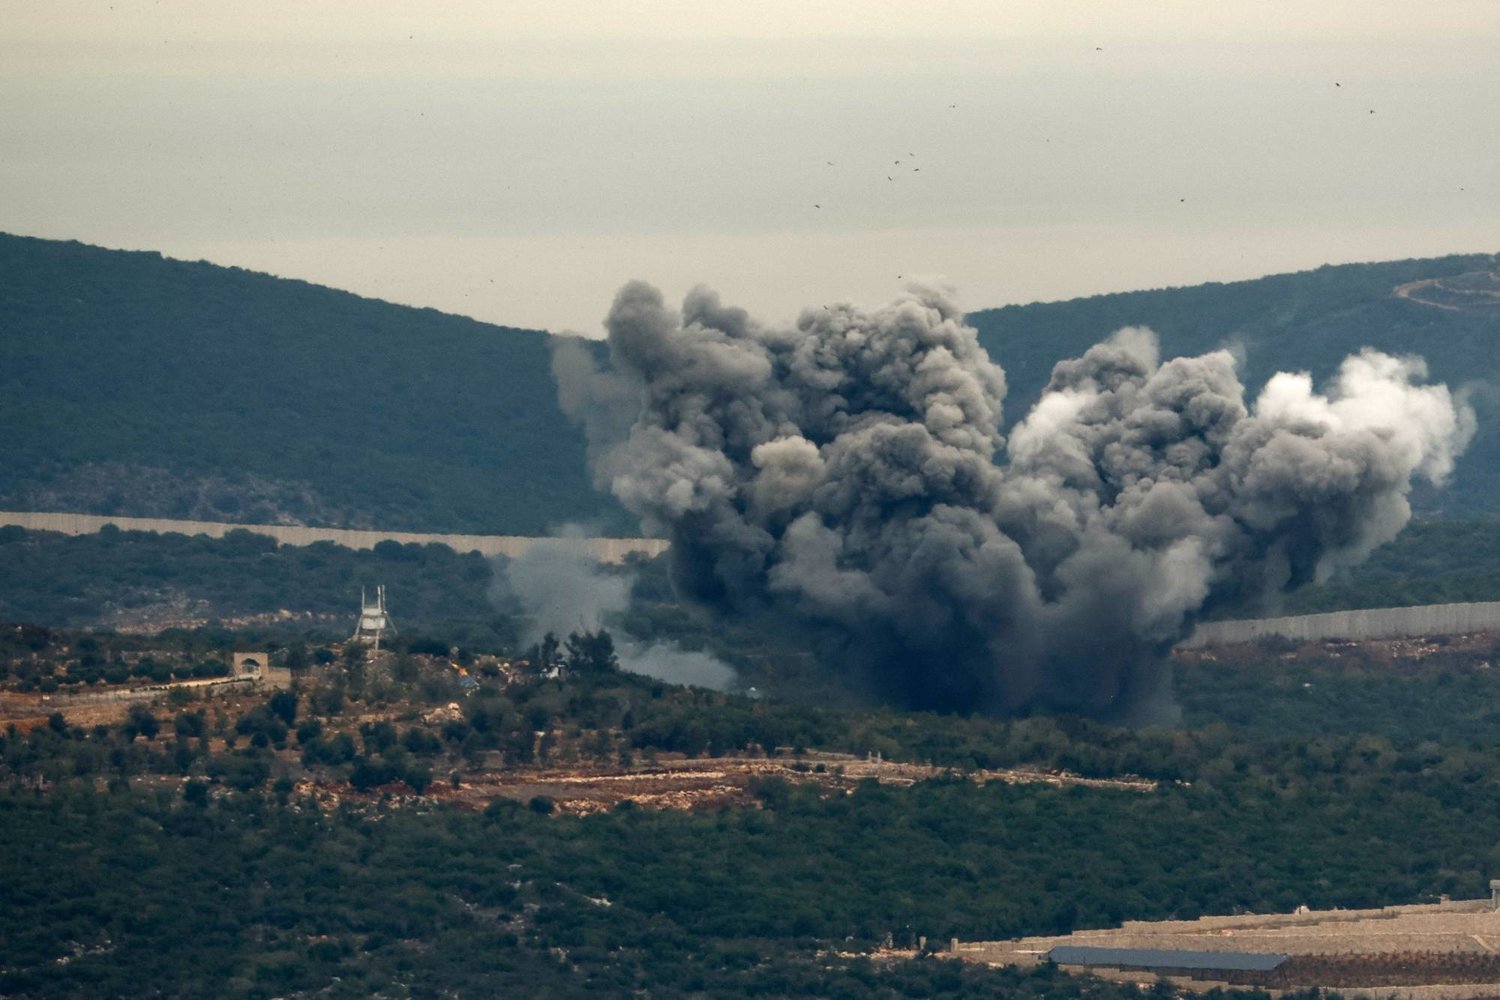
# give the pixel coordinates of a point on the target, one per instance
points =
(560, 588)
(851, 473)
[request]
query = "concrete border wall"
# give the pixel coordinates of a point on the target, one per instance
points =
(1366, 623)
(609, 550)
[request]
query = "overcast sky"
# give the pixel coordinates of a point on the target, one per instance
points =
(517, 162)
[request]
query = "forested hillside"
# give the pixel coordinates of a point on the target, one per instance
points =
(130, 580)
(136, 385)
(184, 850)
(132, 384)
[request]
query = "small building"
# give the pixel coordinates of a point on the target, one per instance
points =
(256, 666)
(249, 664)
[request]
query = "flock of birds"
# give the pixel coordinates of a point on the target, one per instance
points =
(910, 155)
(889, 177)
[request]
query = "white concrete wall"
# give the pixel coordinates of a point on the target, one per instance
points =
(609, 550)
(1368, 623)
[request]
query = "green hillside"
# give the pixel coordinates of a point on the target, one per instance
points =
(132, 384)
(136, 385)
(347, 841)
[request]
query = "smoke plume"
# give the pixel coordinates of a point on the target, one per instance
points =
(560, 588)
(851, 473)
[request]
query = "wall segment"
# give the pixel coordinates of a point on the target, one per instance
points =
(608, 550)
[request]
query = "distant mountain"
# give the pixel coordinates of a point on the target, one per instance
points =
(136, 385)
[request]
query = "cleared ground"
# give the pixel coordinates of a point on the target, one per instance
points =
(1472, 291)
(677, 782)
(659, 781)
(1440, 951)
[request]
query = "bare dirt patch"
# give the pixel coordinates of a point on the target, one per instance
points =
(678, 782)
(1441, 951)
(1473, 291)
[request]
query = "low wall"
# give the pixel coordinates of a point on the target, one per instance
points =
(1366, 623)
(65, 698)
(608, 550)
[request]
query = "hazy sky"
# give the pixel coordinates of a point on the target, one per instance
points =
(518, 161)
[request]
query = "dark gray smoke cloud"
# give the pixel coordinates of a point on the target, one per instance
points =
(851, 472)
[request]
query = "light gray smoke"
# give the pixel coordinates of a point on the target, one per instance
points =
(851, 472)
(560, 588)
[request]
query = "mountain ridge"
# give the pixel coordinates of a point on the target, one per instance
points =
(137, 385)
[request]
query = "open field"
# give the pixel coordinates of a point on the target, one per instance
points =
(1441, 951)
(674, 781)
(709, 782)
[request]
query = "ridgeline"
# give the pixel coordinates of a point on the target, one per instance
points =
(135, 385)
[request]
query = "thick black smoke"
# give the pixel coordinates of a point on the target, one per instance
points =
(851, 472)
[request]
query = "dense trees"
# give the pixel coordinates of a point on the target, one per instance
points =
(590, 652)
(1327, 783)
(62, 581)
(250, 410)
(261, 900)
(663, 898)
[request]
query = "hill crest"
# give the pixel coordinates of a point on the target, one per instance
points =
(137, 385)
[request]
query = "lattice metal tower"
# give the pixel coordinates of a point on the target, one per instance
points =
(374, 620)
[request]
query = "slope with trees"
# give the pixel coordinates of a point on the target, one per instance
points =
(135, 384)
(174, 853)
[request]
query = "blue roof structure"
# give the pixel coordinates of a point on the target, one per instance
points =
(1153, 958)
